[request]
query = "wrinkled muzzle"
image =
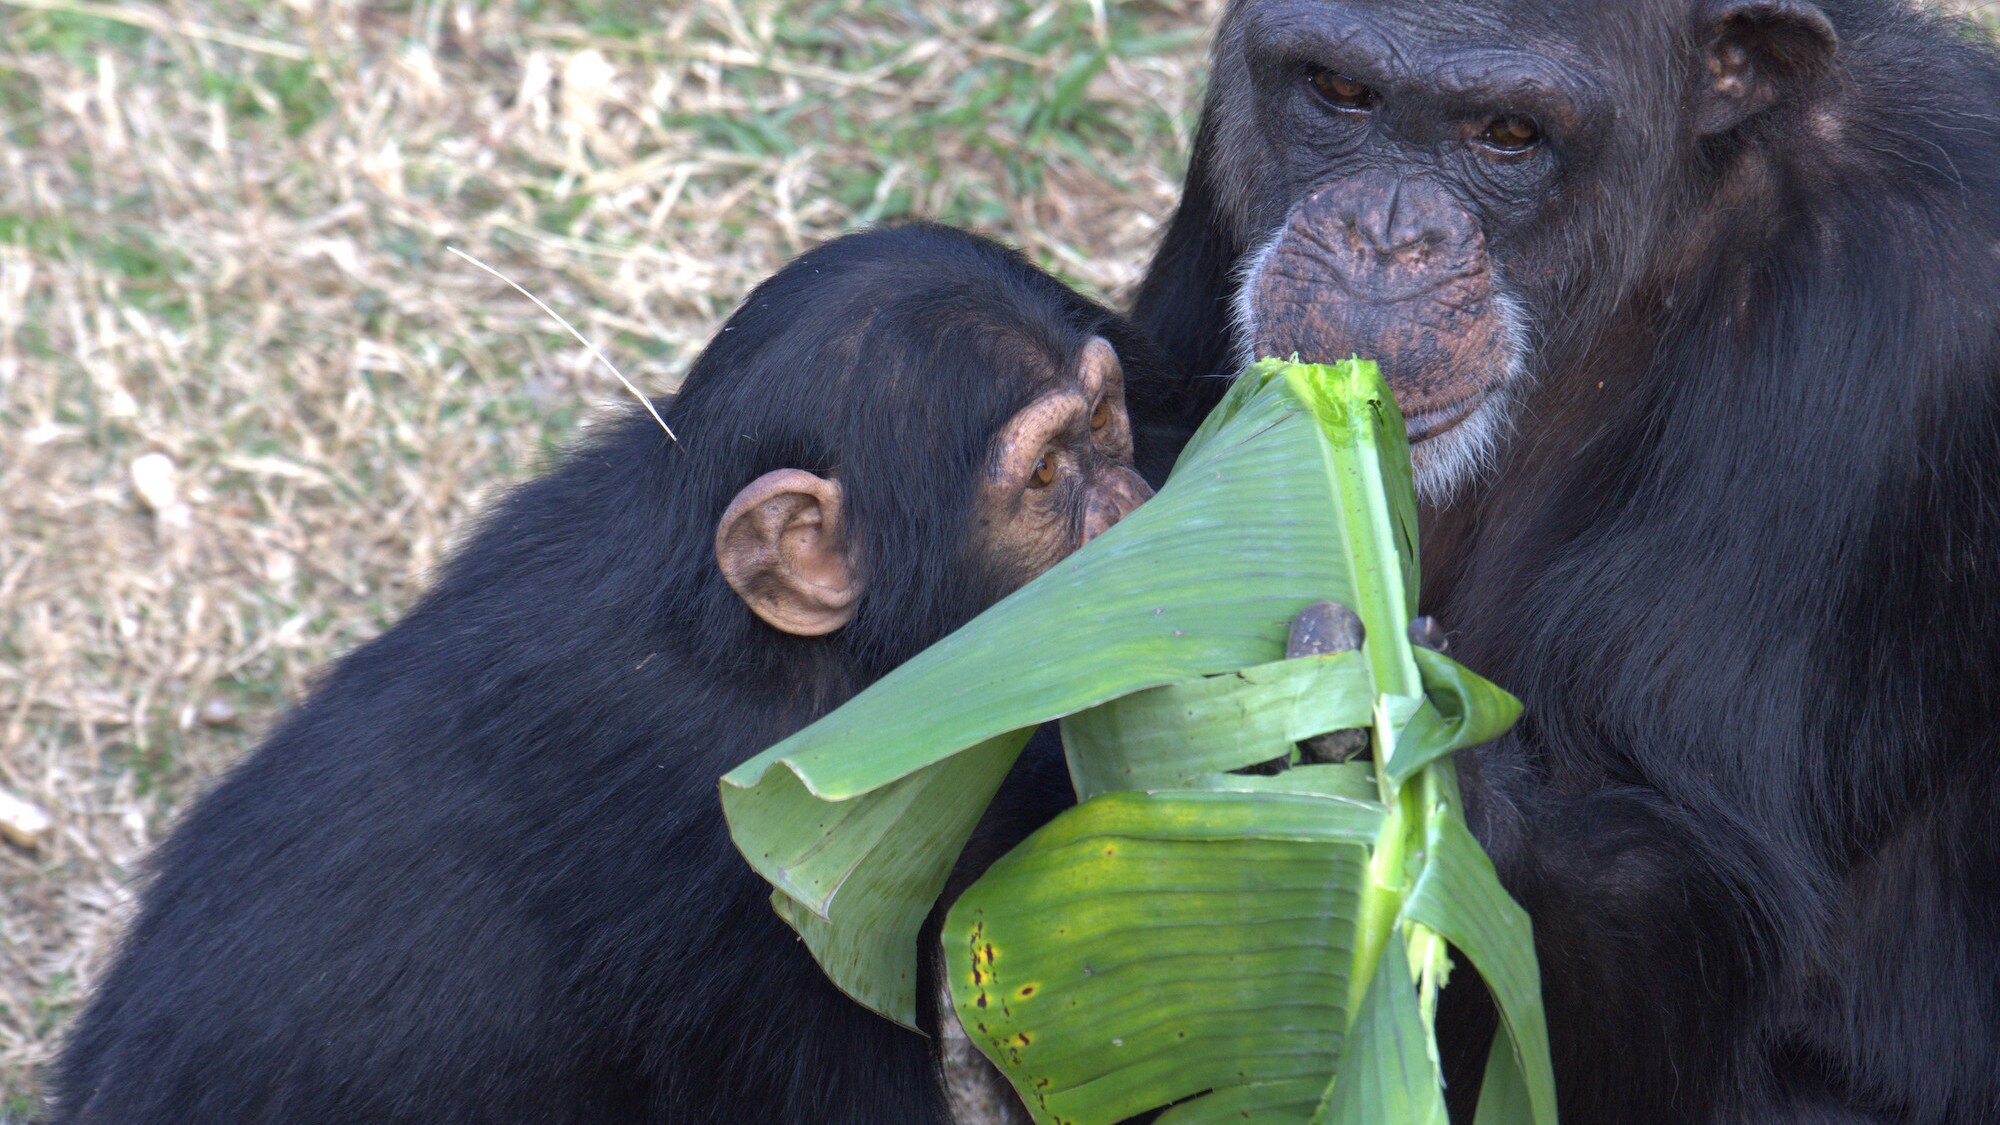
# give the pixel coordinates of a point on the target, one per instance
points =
(1392, 269)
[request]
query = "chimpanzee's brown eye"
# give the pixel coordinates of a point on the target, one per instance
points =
(1340, 91)
(1100, 415)
(1045, 472)
(1512, 133)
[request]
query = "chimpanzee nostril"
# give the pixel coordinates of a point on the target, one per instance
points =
(1387, 242)
(1390, 228)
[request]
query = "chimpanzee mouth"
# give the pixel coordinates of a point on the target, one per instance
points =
(1433, 421)
(1451, 442)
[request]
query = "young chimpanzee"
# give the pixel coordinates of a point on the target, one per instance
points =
(481, 875)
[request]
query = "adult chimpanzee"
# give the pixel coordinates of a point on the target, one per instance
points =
(481, 875)
(1694, 307)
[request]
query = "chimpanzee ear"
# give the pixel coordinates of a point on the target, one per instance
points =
(1756, 53)
(781, 547)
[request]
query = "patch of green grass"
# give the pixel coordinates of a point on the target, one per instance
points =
(21, 106)
(766, 135)
(150, 767)
(477, 194)
(250, 696)
(34, 338)
(156, 768)
(610, 19)
(283, 90)
(44, 235)
(303, 98)
(152, 270)
(559, 214)
(648, 347)
(409, 247)
(76, 37)
(135, 253)
(1028, 90)
(50, 1008)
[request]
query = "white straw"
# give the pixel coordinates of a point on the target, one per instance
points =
(592, 348)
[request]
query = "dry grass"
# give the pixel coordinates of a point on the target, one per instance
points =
(222, 232)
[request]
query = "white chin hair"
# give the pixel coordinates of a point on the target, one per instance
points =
(1448, 462)
(1445, 463)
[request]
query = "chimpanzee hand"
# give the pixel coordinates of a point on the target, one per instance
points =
(1326, 628)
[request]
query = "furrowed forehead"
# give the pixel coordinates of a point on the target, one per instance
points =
(1025, 339)
(954, 366)
(1555, 59)
(1402, 38)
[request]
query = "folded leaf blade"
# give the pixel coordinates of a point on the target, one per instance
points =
(875, 890)
(1388, 1076)
(1187, 735)
(1459, 896)
(1147, 948)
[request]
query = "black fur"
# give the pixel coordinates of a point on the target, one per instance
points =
(481, 875)
(1741, 558)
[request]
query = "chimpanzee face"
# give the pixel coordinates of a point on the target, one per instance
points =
(1052, 474)
(1456, 187)
(1060, 472)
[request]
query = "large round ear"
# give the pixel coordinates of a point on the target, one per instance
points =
(780, 547)
(1756, 53)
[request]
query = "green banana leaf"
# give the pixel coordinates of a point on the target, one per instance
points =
(1188, 934)
(1180, 589)
(1342, 1027)
(1179, 1013)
